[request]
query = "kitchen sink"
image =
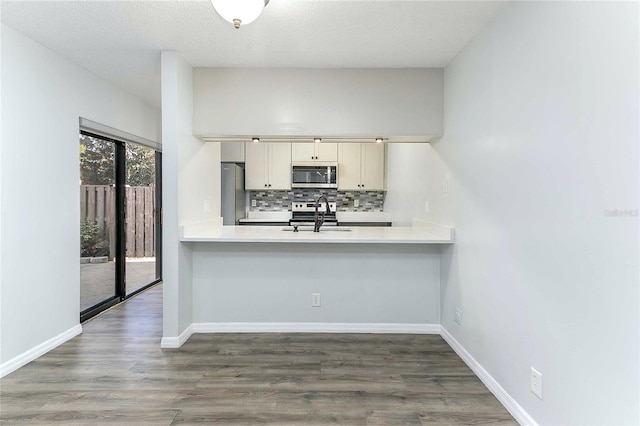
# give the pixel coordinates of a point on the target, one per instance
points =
(323, 229)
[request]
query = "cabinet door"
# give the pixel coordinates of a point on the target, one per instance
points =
(327, 151)
(372, 170)
(279, 166)
(232, 152)
(255, 169)
(301, 151)
(349, 166)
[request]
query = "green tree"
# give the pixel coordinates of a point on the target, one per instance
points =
(141, 165)
(97, 163)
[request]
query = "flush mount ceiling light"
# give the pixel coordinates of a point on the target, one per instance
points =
(317, 140)
(255, 140)
(239, 11)
(378, 140)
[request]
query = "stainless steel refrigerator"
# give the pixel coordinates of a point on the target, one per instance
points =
(232, 192)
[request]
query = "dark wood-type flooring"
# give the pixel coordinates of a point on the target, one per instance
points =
(116, 373)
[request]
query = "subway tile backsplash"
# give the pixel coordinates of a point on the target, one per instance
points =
(273, 201)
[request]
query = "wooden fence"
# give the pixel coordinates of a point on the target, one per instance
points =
(97, 204)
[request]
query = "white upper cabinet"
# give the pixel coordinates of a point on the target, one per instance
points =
(326, 151)
(255, 168)
(361, 167)
(232, 152)
(279, 166)
(349, 159)
(323, 151)
(267, 166)
(372, 167)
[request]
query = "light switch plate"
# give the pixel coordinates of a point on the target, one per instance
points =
(254, 203)
(458, 318)
(315, 300)
(536, 382)
(356, 203)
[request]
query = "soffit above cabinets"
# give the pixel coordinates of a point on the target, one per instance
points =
(403, 105)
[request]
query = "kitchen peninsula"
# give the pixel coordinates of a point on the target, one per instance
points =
(422, 234)
(264, 278)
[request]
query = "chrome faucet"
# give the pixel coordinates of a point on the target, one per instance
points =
(319, 219)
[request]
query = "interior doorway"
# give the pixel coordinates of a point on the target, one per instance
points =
(120, 228)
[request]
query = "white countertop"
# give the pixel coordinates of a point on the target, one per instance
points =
(365, 234)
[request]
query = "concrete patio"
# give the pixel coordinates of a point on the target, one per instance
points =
(97, 280)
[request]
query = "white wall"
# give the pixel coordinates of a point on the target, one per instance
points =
(541, 140)
(408, 176)
(191, 178)
(318, 102)
(43, 96)
(358, 283)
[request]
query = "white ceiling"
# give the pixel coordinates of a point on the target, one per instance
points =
(121, 40)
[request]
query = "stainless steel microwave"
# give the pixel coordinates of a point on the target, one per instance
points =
(314, 175)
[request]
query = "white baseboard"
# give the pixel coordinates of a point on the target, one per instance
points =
(28, 356)
(176, 342)
(314, 327)
(295, 327)
(498, 391)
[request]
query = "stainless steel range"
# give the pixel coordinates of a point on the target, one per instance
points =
(303, 213)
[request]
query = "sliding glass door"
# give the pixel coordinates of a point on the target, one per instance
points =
(98, 222)
(140, 197)
(119, 221)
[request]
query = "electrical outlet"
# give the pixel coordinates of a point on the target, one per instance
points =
(426, 207)
(445, 185)
(315, 300)
(459, 316)
(207, 206)
(254, 203)
(356, 203)
(536, 382)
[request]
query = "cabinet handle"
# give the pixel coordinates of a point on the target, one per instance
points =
(265, 185)
(269, 184)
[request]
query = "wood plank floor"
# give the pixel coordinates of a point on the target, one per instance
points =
(116, 373)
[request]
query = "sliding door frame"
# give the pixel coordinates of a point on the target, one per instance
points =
(120, 223)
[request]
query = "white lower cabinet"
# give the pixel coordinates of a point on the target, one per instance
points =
(361, 167)
(267, 166)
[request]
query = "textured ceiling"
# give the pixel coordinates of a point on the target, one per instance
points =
(121, 40)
